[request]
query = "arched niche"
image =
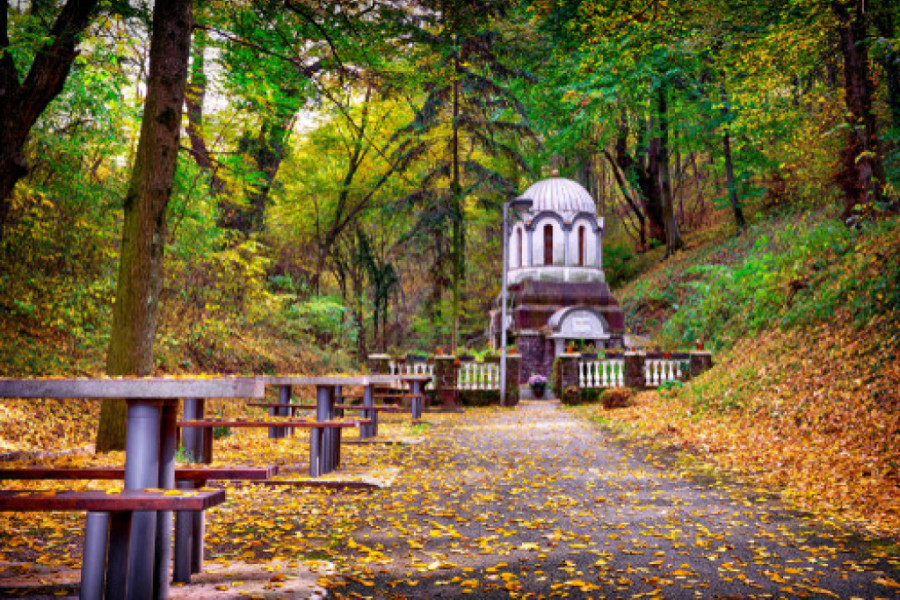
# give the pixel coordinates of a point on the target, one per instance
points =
(584, 240)
(541, 225)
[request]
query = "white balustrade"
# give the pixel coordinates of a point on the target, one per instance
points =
(659, 371)
(413, 368)
(601, 373)
(478, 376)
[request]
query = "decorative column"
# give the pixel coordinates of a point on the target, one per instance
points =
(446, 375)
(634, 370)
(513, 376)
(701, 360)
(566, 232)
(530, 253)
(568, 372)
(379, 364)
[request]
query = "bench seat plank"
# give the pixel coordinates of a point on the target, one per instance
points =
(313, 406)
(181, 473)
(100, 501)
(304, 424)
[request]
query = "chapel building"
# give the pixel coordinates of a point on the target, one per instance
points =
(557, 289)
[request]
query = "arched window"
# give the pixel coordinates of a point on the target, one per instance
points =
(521, 257)
(548, 244)
(581, 246)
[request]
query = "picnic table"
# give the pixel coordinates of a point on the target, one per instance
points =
(117, 528)
(325, 450)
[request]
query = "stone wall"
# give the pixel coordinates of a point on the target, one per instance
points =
(537, 355)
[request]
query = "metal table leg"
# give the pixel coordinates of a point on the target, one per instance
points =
(325, 412)
(142, 471)
(284, 397)
(163, 554)
(93, 562)
(336, 438)
(117, 557)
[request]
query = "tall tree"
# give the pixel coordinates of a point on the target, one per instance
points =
(144, 228)
(673, 233)
(469, 112)
(23, 100)
(862, 173)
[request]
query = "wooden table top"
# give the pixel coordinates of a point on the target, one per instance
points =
(327, 379)
(134, 387)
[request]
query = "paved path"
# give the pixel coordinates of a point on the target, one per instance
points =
(531, 503)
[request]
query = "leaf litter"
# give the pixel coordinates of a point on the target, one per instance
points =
(525, 503)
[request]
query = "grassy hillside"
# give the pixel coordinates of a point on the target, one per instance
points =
(803, 315)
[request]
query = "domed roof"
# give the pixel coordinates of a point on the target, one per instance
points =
(560, 195)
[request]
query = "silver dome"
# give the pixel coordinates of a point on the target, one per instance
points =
(560, 195)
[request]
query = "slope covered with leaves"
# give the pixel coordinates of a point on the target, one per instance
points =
(803, 316)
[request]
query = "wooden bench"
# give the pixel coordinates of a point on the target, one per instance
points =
(152, 407)
(195, 474)
(189, 527)
(104, 573)
(316, 428)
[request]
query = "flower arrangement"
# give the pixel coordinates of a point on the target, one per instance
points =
(538, 384)
(537, 379)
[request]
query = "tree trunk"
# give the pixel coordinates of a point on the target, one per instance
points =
(144, 228)
(267, 149)
(862, 175)
(732, 186)
(623, 188)
(457, 212)
(193, 101)
(673, 234)
(645, 177)
(883, 19)
(22, 102)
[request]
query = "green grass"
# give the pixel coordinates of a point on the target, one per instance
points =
(788, 272)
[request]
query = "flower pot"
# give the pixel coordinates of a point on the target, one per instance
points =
(466, 358)
(589, 356)
(537, 390)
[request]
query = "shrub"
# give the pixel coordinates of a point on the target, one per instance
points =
(615, 397)
(555, 378)
(571, 395)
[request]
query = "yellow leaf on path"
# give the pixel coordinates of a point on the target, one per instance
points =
(887, 581)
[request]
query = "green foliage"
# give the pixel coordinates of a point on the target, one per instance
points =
(790, 273)
(556, 377)
(323, 319)
(619, 264)
(479, 397)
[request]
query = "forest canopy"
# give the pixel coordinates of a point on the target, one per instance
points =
(341, 166)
